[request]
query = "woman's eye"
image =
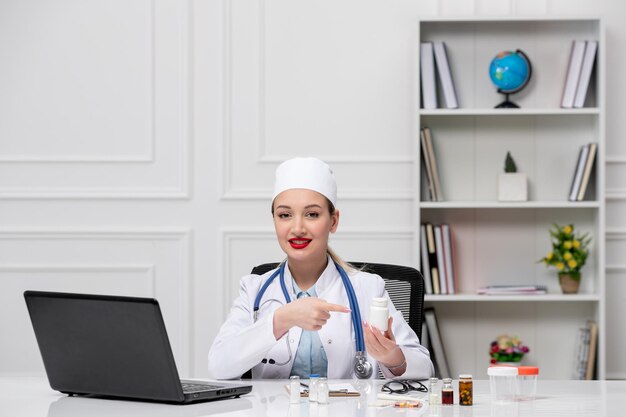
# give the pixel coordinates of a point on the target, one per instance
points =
(313, 215)
(283, 215)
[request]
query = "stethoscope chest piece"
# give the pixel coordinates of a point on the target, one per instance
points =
(362, 368)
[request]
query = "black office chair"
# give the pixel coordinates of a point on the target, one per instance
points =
(404, 284)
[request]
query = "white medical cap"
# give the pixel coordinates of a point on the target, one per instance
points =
(308, 173)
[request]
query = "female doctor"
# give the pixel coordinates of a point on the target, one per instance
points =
(300, 319)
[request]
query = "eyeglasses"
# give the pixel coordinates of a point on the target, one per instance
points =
(403, 386)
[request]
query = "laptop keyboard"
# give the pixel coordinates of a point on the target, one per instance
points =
(191, 387)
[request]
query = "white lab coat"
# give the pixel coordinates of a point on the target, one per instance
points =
(242, 344)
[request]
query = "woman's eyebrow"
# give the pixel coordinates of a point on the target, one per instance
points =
(313, 205)
(282, 206)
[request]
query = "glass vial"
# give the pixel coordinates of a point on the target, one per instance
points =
(323, 395)
(379, 313)
(294, 390)
(313, 378)
(466, 392)
(447, 392)
(434, 394)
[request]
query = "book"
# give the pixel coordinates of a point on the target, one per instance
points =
(433, 162)
(578, 372)
(578, 173)
(445, 75)
(427, 167)
(449, 254)
(587, 172)
(585, 74)
(513, 290)
(427, 71)
(432, 258)
(441, 263)
(576, 56)
(437, 352)
(428, 286)
(593, 346)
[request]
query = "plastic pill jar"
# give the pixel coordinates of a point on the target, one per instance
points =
(502, 383)
(527, 382)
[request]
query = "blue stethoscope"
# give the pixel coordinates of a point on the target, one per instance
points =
(362, 368)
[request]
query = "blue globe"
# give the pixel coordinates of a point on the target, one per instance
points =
(509, 71)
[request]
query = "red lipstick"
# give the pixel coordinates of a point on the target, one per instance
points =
(299, 243)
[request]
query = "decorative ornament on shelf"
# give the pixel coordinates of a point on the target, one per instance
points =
(510, 72)
(512, 185)
(507, 350)
(569, 253)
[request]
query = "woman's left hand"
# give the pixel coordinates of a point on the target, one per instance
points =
(383, 347)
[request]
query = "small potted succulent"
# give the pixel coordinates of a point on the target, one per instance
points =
(512, 185)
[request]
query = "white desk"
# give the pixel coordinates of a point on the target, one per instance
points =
(32, 397)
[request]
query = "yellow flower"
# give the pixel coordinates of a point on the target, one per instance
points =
(567, 230)
(549, 256)
(576, 244)
(572, 263)
(560, 266)
(567, 244)
(567, 256)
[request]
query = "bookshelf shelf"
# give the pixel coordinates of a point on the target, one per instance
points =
(499, 243)
(509, 205)
(512, 298)
(510, 112)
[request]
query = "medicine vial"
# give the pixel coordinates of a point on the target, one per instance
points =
(323, 395)
(313, 378)
(447, 392)
(434, 395)
(294, 390)
(466, 394)
(379, 313)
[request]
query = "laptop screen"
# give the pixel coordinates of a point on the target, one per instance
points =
(104, 345)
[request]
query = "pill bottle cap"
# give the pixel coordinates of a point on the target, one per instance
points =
(379, 302)
(502, 371)
(528, 370)
(465, 376)
(314, 376)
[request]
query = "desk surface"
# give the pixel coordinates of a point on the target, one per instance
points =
(33, 397)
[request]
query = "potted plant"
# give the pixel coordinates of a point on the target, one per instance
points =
(569, 253)
(512, 185)
(507, 350)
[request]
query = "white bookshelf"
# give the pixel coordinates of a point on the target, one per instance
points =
(500, 242)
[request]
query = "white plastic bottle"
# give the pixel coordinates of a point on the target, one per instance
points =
(379, 313)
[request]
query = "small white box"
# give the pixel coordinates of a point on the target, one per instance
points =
(512, 186)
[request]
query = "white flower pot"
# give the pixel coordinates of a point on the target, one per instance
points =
(512, 186)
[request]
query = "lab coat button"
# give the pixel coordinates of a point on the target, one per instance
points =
(291, 341)
(330, 341)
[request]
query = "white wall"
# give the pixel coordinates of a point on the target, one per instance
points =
(138, 141)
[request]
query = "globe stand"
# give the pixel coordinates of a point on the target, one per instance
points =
(506, 104)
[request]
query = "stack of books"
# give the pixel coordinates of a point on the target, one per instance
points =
(513, 290)
(434, 55)
(581, 62)
(586, 158)
(430, 165)
(437, 258)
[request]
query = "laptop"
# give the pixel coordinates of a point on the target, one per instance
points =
(113, 346)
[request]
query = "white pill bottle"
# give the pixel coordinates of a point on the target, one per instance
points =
(379, 313)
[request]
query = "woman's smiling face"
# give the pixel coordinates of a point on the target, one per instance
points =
(303, 223)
